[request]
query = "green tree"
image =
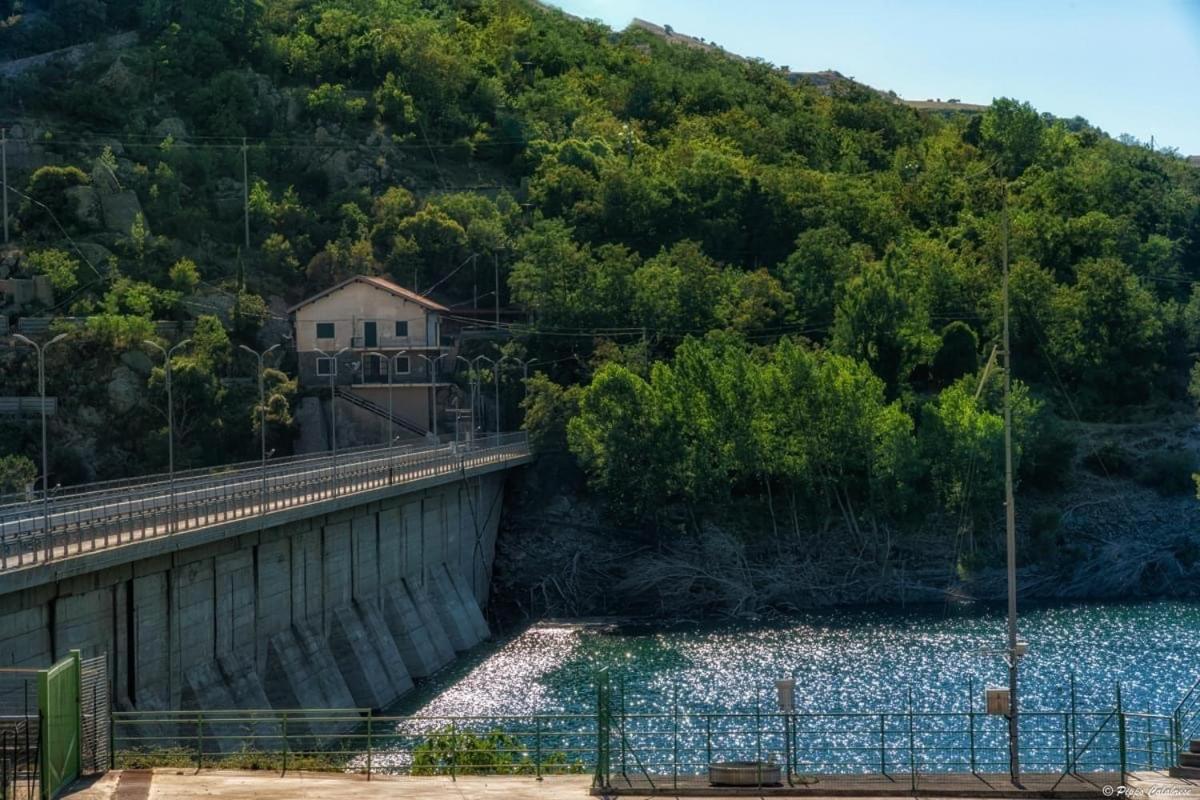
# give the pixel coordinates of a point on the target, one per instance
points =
(60, 267)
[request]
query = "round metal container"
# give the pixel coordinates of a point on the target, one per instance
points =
(744, 773)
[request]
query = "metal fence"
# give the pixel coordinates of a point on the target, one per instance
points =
(20, 762)
(907, 746)
(356, 740)
(85, 519)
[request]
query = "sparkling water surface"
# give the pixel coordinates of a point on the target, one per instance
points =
(856, 660)
(845, 660)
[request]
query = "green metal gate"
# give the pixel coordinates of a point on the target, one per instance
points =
(58, 704)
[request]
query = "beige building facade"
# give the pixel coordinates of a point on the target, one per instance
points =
(379, 346)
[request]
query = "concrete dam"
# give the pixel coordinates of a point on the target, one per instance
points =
(338, 601)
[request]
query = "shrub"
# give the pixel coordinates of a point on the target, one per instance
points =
(16, 473)
(445, 752)
(1169, 472)
(1110, 459)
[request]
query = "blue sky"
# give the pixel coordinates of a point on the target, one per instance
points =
(1128, 67)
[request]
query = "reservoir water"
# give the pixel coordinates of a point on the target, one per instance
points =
(845, 660)
(859, 661)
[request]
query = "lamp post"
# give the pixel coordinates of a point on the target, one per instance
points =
(41, 357)
(471, 386)
(333, 369)
(432, 362)
(496, 377)
(391, 414)
(167, 356)
(262, 423)
(524, 372)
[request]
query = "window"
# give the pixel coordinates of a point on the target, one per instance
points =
(401, 365)
(326, 366)
(325, 330)
(401, 329)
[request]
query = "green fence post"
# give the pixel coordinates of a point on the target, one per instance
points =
(77, 715)
(624, 768)
(912, 750)
(675, 736)
(708, 738)
(285, 745)
(882, 745)
(369, 748)
(603, 723)
(453, 750)
(1074, 728)
(537, 726)
(758, 732)
(1121, 732)
(199, 741)
(971, 719)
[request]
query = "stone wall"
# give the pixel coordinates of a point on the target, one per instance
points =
(339, 610)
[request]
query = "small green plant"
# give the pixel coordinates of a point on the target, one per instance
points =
(445, 752)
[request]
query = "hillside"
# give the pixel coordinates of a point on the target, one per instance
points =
(757, 303)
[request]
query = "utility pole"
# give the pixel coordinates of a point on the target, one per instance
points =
(4, 176)
(475, 281)
(246, 192)
(1010, 524)
(496, 267)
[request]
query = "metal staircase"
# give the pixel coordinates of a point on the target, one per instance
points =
(379, 411)
(1187, 733)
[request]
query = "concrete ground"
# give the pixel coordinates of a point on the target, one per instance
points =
(172, 784)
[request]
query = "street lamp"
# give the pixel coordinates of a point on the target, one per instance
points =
(524, 371)
(471, 386)
(167, 356)
(496, 376)
(391, 413)
(262, 421)
(333, 369)
(41, 356)
(432, 362)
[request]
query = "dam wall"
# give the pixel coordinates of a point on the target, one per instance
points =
(339, 609)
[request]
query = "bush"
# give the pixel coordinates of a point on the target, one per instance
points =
(16, 473)
(1110, 460)
(1169, 472)
(446, 752)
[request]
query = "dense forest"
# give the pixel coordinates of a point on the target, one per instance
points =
(749, 298)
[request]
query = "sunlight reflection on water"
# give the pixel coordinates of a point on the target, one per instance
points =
(849, 660)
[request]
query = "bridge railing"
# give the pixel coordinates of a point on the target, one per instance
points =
(33, 531)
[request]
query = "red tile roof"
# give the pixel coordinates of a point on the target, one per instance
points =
(379, 283)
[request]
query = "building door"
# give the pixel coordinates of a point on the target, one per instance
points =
(370, 334)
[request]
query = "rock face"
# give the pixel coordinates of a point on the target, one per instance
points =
(118, 79)
(85, 205)
(171, 126)
(120, 209)
(124, 389)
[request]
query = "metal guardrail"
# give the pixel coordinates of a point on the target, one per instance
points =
(651, 749)
(27, 405)
(90, 518)
(1187, 716)
(355, 740)
(670, 748)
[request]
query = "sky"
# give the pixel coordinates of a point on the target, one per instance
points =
(1128, 67)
